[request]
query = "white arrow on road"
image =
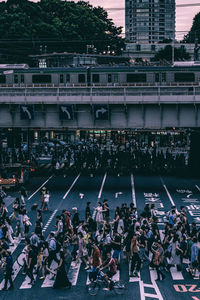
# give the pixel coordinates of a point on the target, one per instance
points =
(64, 110)
(152, 199)
(81, 195)
(117, 194)
(101, 110)
(25, 110)
(188, 196)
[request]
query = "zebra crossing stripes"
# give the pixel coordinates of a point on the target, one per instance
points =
(73, 272)
(49, 280)
(153, 276)
(176, 275)
(16, 269)
(49, 221)
(26, 283)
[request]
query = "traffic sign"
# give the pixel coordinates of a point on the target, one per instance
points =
(66, 112)
(101, 112)
(27, 112)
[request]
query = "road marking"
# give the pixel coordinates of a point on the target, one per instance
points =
(168, 194)
(81, 195)
(102, 185)
(48, 282)
(73, 272)
(117, 194)
(100, 193)
(176, 275)
(153, 276)
(40, 187)
(198, 188)
(141, 285)
(75, 180)
(25, 284)
(49, 221)
(17, 268)
(133, 190)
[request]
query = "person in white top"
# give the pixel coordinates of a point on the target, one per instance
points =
(9, 231)
(46, 200)
(99, 213)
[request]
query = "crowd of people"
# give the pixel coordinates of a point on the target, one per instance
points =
(99, 241)
(93, 156)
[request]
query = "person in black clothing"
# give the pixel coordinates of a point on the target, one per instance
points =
(116, 246)
(75, 219)
(32, 260)
(87, 211)
(106, 210)
(8, 271)
(61, 276)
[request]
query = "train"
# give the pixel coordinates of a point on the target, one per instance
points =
(183, 73)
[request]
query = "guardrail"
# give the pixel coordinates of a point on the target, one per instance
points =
(103, 85)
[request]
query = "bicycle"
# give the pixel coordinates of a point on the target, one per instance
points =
(94, 286)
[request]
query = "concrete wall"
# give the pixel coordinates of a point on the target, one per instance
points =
(153, 116)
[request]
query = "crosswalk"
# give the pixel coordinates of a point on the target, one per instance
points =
(76, 271)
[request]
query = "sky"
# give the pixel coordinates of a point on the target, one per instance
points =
(184, 15)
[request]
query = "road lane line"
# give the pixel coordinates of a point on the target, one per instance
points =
(75, 180)
(198, 188)
(40, 188)
(133, 190)
(100, 193)
(168, 193)
(102, 185)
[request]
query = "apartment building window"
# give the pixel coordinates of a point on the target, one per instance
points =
(138, 47)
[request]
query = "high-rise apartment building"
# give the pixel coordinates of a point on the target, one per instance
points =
(150, 21)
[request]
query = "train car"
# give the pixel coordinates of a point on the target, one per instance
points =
(177, 74)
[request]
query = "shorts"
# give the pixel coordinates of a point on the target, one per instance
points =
(110, 274)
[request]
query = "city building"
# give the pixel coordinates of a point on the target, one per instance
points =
(60, 60)
(149, 21)
(146, 52)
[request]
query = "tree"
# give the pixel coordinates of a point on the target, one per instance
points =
(194, 31)
(57, 25)
(166, 54)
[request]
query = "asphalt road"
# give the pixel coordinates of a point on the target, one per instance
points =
(76, 191)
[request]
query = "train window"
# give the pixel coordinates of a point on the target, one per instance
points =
(15, 78)
(2, 79)
(95, 78)
(41, 78)
(22, 78)
(67, 77)
(81, 78)
(137, 77)
(157, 77)
(115, 77)
(184, 77)
(109, 78)
(163, 77)
(61, 78)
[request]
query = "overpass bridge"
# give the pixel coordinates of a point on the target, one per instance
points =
(100, 107)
